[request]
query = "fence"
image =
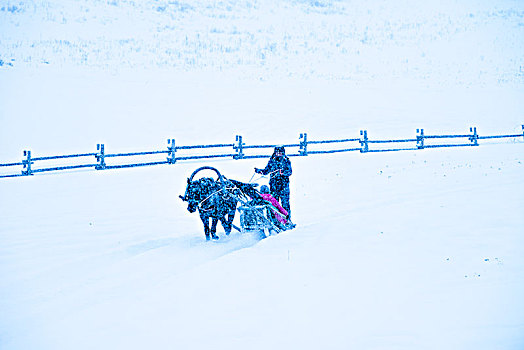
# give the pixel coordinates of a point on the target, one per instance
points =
(240, 150)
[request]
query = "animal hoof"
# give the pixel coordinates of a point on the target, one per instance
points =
(214, 237)
(207, 238)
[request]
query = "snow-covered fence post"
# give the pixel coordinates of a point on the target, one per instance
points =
(172, 149)
(475, 137)
(303, 145)
(27, 163)
(239, 148)
(100, 157)
(364, 147)
(420, 138)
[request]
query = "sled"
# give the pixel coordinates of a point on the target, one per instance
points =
(257, 215)
(254, 218)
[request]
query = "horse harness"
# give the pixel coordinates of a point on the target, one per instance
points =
(224, 197)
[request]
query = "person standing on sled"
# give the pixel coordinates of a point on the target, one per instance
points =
(279, 170)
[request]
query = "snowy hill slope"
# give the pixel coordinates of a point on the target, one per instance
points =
(405, 250)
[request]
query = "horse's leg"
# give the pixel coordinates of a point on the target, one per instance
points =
(230, 218)
(232, 205)
(223, 221)
(205, 221)
(226, 223)
(214, 222)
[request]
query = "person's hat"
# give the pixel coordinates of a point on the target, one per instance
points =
(280, 149)
(264, 189)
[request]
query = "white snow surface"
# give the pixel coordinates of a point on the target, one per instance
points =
(398, 250)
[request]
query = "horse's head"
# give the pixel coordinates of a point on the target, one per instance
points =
(193, 195)
(192, 206)
(201, 192)
(198, 191)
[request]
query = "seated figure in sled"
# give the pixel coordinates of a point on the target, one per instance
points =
(278, 215)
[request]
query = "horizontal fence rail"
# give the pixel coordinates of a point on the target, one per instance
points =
(66, 156)
(361, 144)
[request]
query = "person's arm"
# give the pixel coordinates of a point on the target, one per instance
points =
(266, 170)
(286, 169)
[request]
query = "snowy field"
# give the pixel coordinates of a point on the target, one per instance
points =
(400, 250)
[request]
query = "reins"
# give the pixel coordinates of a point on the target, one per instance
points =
(263, 176)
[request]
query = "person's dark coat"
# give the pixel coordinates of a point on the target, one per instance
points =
(279, 170)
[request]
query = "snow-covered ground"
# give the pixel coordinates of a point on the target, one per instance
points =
(398, 250)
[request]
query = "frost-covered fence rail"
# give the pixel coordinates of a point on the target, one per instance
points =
(172, 149)
(10, 165)
(28, 170)
(304, 142)
(472, 138)
(240, 150)
(101, 158)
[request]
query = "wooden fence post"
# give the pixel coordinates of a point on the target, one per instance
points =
(27, 163)
(239, 148)
(100, 157)
(171, 159)
(364, 147)
(303, 145)
(475, 137)
(420, 138)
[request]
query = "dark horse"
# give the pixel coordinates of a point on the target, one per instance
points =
(213, 199)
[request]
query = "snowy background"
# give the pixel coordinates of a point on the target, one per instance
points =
(406, 250)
